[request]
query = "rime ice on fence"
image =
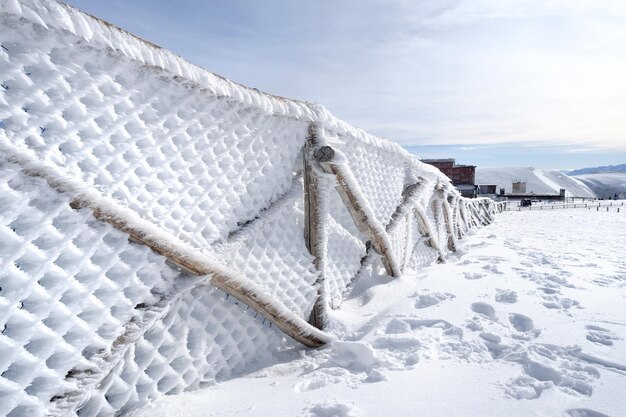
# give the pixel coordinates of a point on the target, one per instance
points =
(246, 213)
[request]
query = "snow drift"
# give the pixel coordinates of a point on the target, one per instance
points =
(153, 217)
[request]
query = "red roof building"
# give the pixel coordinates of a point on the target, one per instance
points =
(462, 176)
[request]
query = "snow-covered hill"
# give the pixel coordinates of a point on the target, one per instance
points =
(605, 184)
(539, 181)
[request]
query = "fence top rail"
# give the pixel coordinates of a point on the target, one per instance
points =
(104, 35)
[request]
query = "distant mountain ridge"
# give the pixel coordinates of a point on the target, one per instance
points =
(595, 170)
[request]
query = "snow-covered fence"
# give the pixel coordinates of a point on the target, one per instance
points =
(547, 206)
(387, 206)
(158, 222)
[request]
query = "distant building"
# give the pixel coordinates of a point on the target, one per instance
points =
(463, 176)
(467, 190)
(484, 189)
(459, 174)
(519, 187)
(517, 195)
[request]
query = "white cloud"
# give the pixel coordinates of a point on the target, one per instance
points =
(494, 71)
(419, 72)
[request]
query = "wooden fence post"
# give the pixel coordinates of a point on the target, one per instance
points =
(314, 226)
(457, 219)
(447, 217)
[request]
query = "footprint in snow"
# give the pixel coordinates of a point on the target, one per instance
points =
(475, 275)
(521, 323)
(554, 302)
(484, 309)
(494, 345)
(478, 245)
(550, 366)
(493, 268)
(332, 409)
(601, 335)
(474, 325)
(349, 363)
(490, 337)
(399, 353)
(397, 326)
(428, 300)
(558, 279)
(549, 290)
(583, 412)
(403, 325)
(506, 296)
(545, 260)
(524, 327)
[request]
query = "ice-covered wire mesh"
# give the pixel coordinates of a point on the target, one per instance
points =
(204, 337)
(345, 247)
(380, 172)
(274, 256)
(191, 162)
(435, 217)
(68, 286)
(72, 288)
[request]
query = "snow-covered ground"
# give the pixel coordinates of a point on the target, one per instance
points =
(539, 181)
(528, 318)
(605, 184)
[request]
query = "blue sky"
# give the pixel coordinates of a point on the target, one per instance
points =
(489, 82)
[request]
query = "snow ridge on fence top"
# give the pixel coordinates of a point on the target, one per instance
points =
(159, 222)
(53, 14)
